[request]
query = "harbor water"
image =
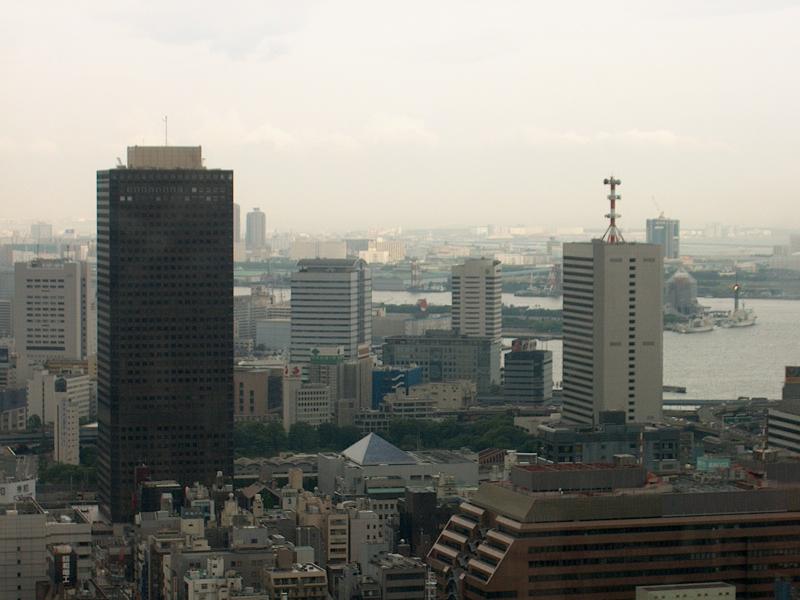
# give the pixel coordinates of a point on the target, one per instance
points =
(721, 364)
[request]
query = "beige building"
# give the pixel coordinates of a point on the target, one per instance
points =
(250, 394)
(447, 395)
(349, 380)
(46, 389)
(304, 402)
(400, 405)
(337, 536)
(369, 535)
(690, 591)
(165, 157)
(477, 301)
(305, 249)
(25, 532)
(54, 313)
(331, 307)
(298, 582)
(66, 432)
(613, 329)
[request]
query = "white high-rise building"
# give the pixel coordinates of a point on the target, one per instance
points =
(613, 328)
(331, 306)
(53, 312)
(477, 301)
(46, 390)
(67, 432)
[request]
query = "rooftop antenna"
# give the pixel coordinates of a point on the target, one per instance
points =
(613, 235)
(166, 138)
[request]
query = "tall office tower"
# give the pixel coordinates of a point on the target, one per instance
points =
(666, 233)
(165, 322)
(50, 313)
(255, 236)
(612, 326)
(237, 223)
(331, 306)
(477, 303)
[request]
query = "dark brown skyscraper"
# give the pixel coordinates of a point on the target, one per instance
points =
(165, 322)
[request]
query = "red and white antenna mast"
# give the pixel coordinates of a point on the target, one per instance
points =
(613, 235)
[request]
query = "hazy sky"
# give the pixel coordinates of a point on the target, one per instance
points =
(339, 115)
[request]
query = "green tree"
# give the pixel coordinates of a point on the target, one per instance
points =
(303, 438)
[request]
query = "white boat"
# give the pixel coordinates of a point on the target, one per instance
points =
(743, 317)
(695, 325)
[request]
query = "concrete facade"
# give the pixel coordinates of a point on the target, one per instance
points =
(46, 389)
(331, 306)
(66, 434)
(25, 532)
(446, 356)
(50, 312)
(613, 331)
(477, 303)
(304, 402)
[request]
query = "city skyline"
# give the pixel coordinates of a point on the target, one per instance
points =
(382, 108)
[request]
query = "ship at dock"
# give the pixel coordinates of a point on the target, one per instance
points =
(695, 325)
(740, 316)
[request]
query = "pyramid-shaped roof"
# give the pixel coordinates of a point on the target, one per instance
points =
(374, 450)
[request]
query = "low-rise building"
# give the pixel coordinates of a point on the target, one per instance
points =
(388, 379)
(17, 476)
(402, 405)
(257, 393)
(399, 577)
(297, 581)
(657, 448)
(448, 356)
(345, 473)
(13, 410)
(214, 582)
(26, 531)
(304, 402)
